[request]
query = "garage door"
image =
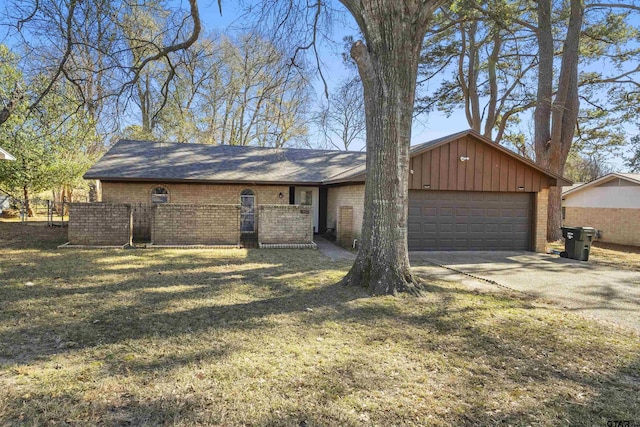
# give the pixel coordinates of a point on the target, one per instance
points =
(465, 220)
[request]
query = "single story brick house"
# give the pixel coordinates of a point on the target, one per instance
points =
(466, 192)
(610, 204)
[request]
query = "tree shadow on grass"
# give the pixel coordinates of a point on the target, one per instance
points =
(572, 370)
(452, 335)
(30, 235)
(88, 307)
(521, 352)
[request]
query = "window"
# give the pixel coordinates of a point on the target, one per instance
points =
(306, 197)
(247, 211)
(564, 213)
(159, 195)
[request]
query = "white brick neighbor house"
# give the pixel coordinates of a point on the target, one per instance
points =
(610, 204)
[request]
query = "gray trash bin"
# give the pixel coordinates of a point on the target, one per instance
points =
(577, 242)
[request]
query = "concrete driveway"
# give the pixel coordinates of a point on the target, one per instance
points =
(597, 291)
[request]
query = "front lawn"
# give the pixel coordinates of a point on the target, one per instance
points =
(265, 337)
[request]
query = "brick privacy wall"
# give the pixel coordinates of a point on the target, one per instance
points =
(541, 219)
(278, 224)
(617, 225)
(189, 224)
(345, 230)
(349, 195)
(140, 192)
(99, 224)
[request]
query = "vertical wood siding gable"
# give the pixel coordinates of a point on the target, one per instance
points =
(486, 170)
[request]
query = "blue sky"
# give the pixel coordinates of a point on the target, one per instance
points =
(424, 128)
(334, 71)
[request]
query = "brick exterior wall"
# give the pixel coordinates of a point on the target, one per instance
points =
(187, 224)
(541, 219)
(227, 194)
(99, 224)
(285, 224)
(616, 225)
(345, 231)
(348, 195)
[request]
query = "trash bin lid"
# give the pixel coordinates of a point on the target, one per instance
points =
(589, 231)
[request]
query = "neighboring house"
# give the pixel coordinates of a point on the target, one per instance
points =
(611, 204)
(4, 199)
(4, 155)
(465, 191)
(4, 202)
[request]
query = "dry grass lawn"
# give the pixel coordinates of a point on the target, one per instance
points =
(259, 337)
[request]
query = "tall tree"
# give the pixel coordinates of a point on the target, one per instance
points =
(236, 91)
(54, 32)
(341, 120)
(264, 97)
(633, 161)
(387, 62)
(508, 57)
(581, 168)
(556, 114)
(481, 59)
(54, 146)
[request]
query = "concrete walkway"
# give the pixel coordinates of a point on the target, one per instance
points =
(333, 251)
(596, 291)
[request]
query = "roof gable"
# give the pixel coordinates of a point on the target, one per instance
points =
(611, 179)
(525, 171)
(466, 161)
(478, 138)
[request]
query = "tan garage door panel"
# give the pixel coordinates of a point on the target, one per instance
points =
(465, 220)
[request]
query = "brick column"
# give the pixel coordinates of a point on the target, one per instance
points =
(542, 216)
(344, 226)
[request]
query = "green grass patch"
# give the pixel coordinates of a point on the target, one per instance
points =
(266, 337)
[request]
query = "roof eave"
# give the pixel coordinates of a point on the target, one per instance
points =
(202, 181)
(356, 179)
(602, 179)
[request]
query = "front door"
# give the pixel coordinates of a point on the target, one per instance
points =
(308, 196)
(247, 212)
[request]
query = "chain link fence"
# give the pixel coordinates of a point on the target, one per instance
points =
(56, 213)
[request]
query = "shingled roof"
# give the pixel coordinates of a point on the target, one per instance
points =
(132, 160)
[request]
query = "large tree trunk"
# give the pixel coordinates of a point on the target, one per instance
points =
(27, 204)
(387, 64)
(555, 121)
